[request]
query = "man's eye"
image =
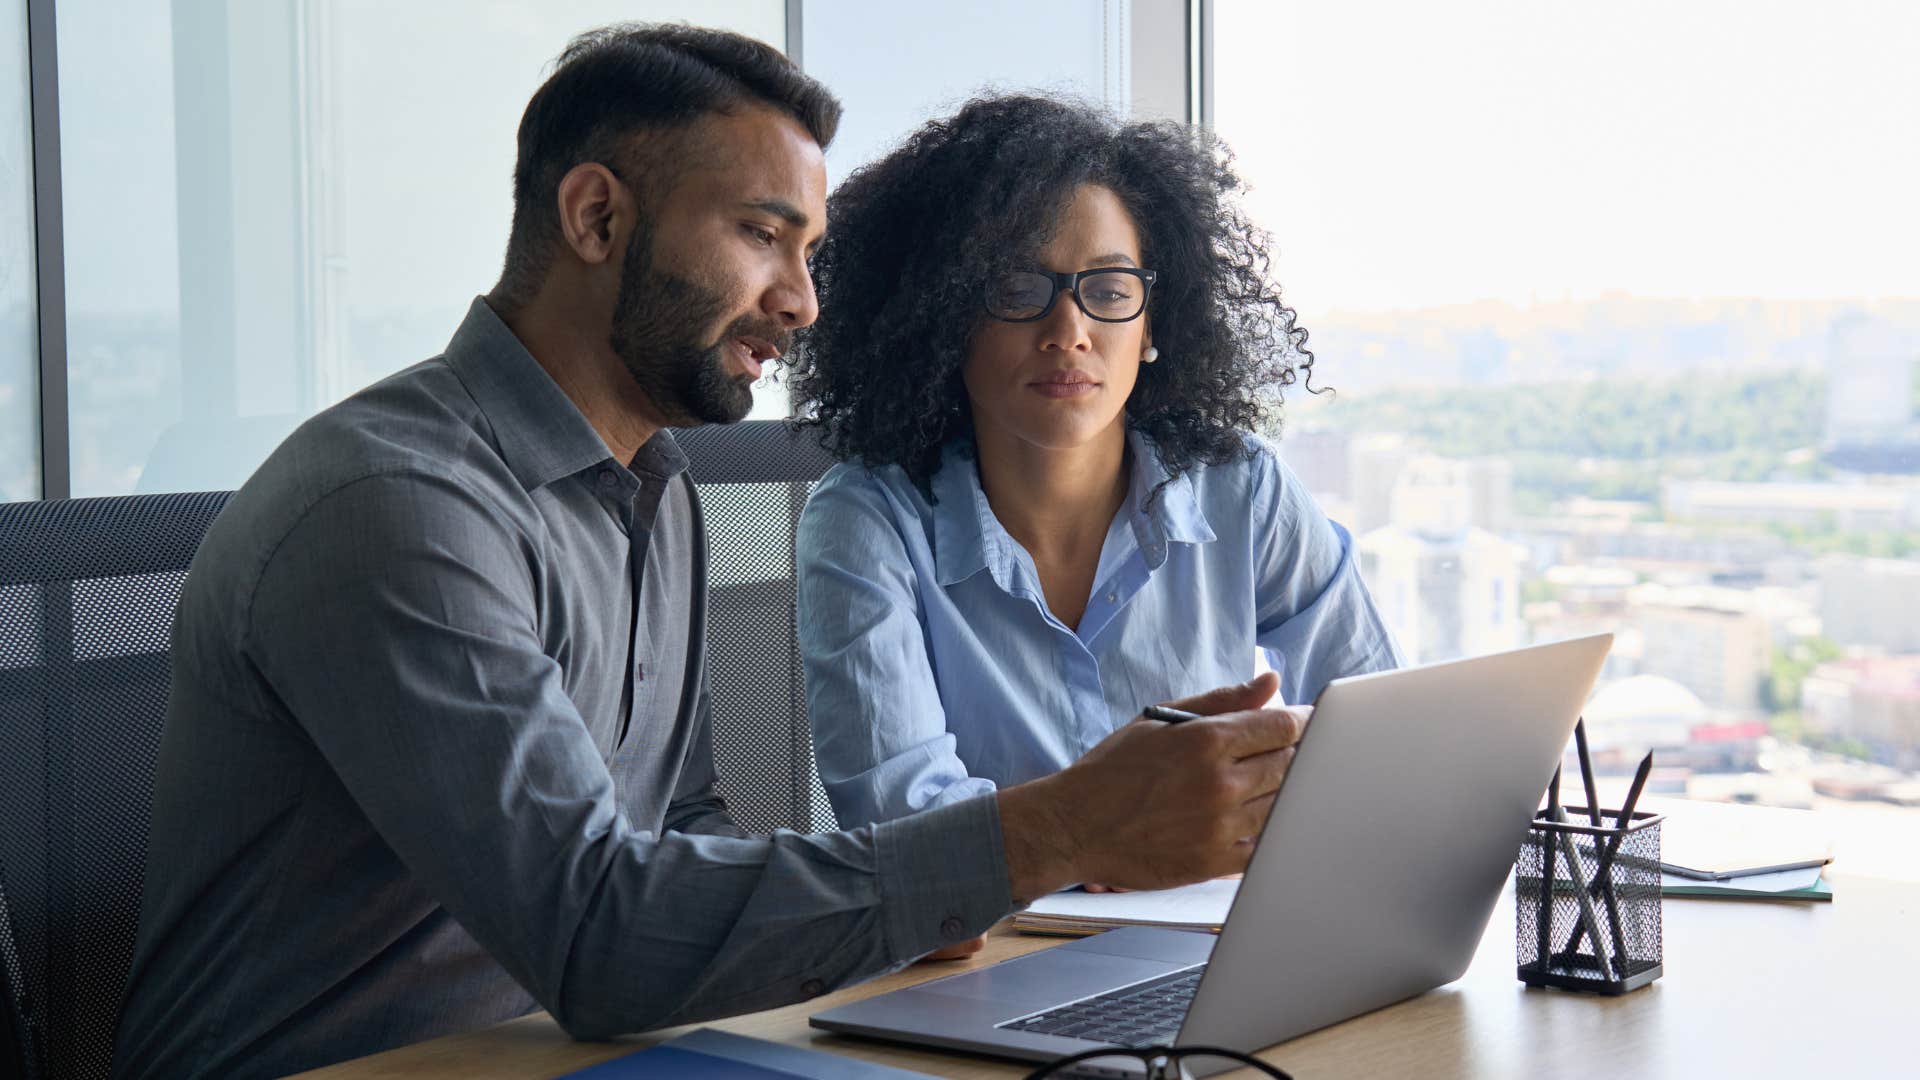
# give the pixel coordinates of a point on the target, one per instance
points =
(760, 235)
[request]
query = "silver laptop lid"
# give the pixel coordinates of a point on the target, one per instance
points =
(1390, 841)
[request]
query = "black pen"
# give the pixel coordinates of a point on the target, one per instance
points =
(1168, 714)
(1586, 770)
(1604, 870)
(1546, 874)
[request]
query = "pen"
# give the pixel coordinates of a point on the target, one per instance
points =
(1586, 770)
(1168, 713)
(1605, 866)
(1546, 876)
(1589, 918)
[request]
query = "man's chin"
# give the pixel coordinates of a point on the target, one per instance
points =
(729, 405)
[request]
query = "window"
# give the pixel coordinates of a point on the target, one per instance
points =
(270, 205)
(898, 65)
(1621, 310)
(19, 312)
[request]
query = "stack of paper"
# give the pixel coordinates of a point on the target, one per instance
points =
(1076, 914)
(1753, 852)
(1804, 884)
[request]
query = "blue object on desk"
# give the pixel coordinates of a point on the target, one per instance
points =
(708, 1054)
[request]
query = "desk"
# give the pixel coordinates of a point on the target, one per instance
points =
(1752, 989)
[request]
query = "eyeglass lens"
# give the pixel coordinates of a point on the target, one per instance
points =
(1104, 294)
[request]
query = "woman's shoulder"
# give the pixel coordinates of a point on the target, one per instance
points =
(853, 492)
(1256, 469)
(855, 479)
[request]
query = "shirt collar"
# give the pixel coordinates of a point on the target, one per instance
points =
(968, 538)
(1166, 515)
(541, 434)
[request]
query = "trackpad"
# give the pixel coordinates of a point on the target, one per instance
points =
(1046, 977)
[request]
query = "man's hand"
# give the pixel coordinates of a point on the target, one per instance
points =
(1156, 805)
(959, 950)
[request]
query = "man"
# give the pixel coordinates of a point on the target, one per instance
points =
(437, 749)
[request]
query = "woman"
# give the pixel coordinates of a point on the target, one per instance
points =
(1045, 341)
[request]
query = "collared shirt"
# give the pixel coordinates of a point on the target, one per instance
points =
(437, 753)
(935, 671)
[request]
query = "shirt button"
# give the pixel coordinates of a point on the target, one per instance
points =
(1113, 598)
(952, 928)
(607, 480)
(813, 988)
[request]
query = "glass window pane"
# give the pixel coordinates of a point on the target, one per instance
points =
(19, 340)
(1625, 326)
(269, 205)
(898, 65)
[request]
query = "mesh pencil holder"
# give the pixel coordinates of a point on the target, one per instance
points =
(1588, 903)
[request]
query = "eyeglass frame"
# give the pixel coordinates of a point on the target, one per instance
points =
(1162, 1062)
(1070, 283)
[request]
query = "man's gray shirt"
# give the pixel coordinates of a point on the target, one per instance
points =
(437, 754)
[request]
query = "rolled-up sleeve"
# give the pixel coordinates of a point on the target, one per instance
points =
(880, 730)
(1313, 613)
(395, 622)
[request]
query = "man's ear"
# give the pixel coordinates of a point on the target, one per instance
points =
(590, 200)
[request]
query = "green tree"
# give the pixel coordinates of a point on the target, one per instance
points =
(1790, 669)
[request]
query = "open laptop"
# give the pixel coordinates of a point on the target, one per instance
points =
(1373, 881)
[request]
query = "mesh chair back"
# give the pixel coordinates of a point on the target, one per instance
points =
(87, 594)
(753, 479)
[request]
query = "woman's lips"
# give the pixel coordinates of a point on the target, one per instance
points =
(1064, 385)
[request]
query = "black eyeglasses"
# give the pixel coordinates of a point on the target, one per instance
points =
(1160, 1062)
(1106, 294)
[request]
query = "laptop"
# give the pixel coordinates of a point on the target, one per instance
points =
(1373, 880)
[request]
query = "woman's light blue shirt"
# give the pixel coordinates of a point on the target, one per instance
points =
(935, 671)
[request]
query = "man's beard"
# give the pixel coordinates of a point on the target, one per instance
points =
(658, 318)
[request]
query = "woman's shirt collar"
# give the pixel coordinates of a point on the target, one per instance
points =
(968, 538)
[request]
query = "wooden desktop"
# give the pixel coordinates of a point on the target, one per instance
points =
(1752, 989)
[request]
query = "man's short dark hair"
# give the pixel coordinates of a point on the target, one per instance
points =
(618, 81)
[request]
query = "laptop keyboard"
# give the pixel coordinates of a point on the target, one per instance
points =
(1144, 1014)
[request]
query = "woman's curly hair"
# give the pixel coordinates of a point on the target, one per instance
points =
(916, 235)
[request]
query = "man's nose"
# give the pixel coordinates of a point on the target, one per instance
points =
(792, 300)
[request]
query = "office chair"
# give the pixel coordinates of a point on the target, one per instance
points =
(753, 478)
(87, 594)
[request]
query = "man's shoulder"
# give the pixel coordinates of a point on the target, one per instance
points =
(417, 428)
(417, 422)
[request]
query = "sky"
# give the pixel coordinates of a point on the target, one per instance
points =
(1416, 154)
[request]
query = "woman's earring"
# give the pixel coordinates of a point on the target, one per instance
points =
(1152, 354)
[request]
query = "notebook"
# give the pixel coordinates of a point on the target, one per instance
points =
(1717, 841)
(1073, 913)
(708, 1054)
(1806, 883)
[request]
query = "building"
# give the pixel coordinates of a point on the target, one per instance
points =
(1445, 594)
(1444, 494)
(1321, 459)
(1875, 700)
(1711, 641)
(1875, 507)
(1374, 465)
(1628, 717)
(1870, 602)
